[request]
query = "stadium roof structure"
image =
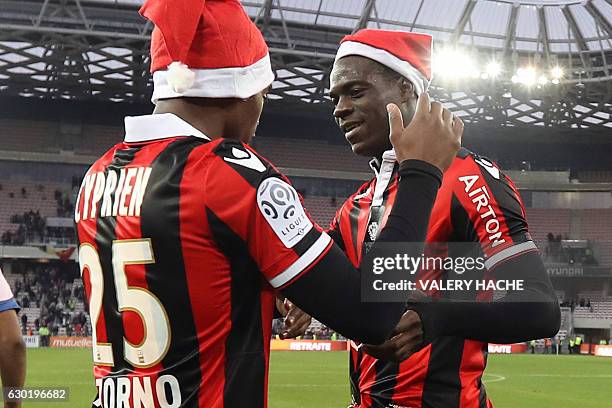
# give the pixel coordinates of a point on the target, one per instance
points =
(552, 59)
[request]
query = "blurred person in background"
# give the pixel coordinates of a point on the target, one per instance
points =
(12, 347)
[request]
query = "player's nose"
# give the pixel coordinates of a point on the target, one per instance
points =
(343, 108)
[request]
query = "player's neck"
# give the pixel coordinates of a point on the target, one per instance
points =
(210, 119)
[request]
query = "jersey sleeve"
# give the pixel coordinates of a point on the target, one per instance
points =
(251, 198)
(7, 302)
(333, 230)
(492, 210)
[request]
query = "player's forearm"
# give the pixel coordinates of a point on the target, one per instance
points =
(331, 293)
(12, 353)
(416, 192)
(335, 298)
(532, 313)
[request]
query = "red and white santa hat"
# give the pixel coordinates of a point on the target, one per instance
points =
(206, 48)
(408, 54)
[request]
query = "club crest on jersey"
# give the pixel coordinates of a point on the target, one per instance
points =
(373, 230)
(281, 207)
(246, 159)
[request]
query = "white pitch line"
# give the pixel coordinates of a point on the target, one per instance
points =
(568, 375)
(497, 378)
(309, 385)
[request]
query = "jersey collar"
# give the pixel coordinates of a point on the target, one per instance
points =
(159, 126)
(388, 156)
(384, 174)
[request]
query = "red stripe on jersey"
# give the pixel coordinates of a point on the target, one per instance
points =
(346, 231)
(268, 303)
(367, 378)
(212, 322)
(470, 373)
(86, 232)
(410, 382)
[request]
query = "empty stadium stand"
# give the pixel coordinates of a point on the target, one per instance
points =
(36, 136)
(544, 220)
(598, 310)
(322, 209)
(595, 176)
(297, 153)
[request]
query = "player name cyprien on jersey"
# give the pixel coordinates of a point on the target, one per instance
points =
(120, 193)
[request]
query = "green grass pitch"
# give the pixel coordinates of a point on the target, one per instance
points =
(315, 379)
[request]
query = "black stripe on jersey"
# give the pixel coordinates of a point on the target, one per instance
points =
(482, 398)
(105, 235)
(245, 363)
(244, 162)
(383, 388)
(354, 223)
(463, 228)
(160, 221)
(507, 202)
(336, 237)
(355, 375)
(442, 387)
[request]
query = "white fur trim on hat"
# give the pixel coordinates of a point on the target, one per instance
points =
(386, 58)
(239, 82)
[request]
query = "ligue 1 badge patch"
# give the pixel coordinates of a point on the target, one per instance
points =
(281, 207)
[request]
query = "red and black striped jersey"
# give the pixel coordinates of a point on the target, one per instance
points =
(183, 241)
(476, 203)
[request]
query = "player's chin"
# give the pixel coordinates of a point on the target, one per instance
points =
(362, 148)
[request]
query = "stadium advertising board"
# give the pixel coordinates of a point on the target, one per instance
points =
(308, 345)
(66, 341)
(575, 271)
(31, 341)
(507, 348)
(603, 351)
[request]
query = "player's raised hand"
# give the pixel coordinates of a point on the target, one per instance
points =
(432, 135)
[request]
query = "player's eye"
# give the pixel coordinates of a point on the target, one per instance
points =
(357, 93)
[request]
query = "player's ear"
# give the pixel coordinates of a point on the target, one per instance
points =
(406, 88)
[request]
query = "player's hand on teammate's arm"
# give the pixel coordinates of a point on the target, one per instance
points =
(433, 135)
(295, 322)
(407, 339)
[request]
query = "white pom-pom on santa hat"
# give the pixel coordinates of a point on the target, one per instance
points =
(180, 77)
